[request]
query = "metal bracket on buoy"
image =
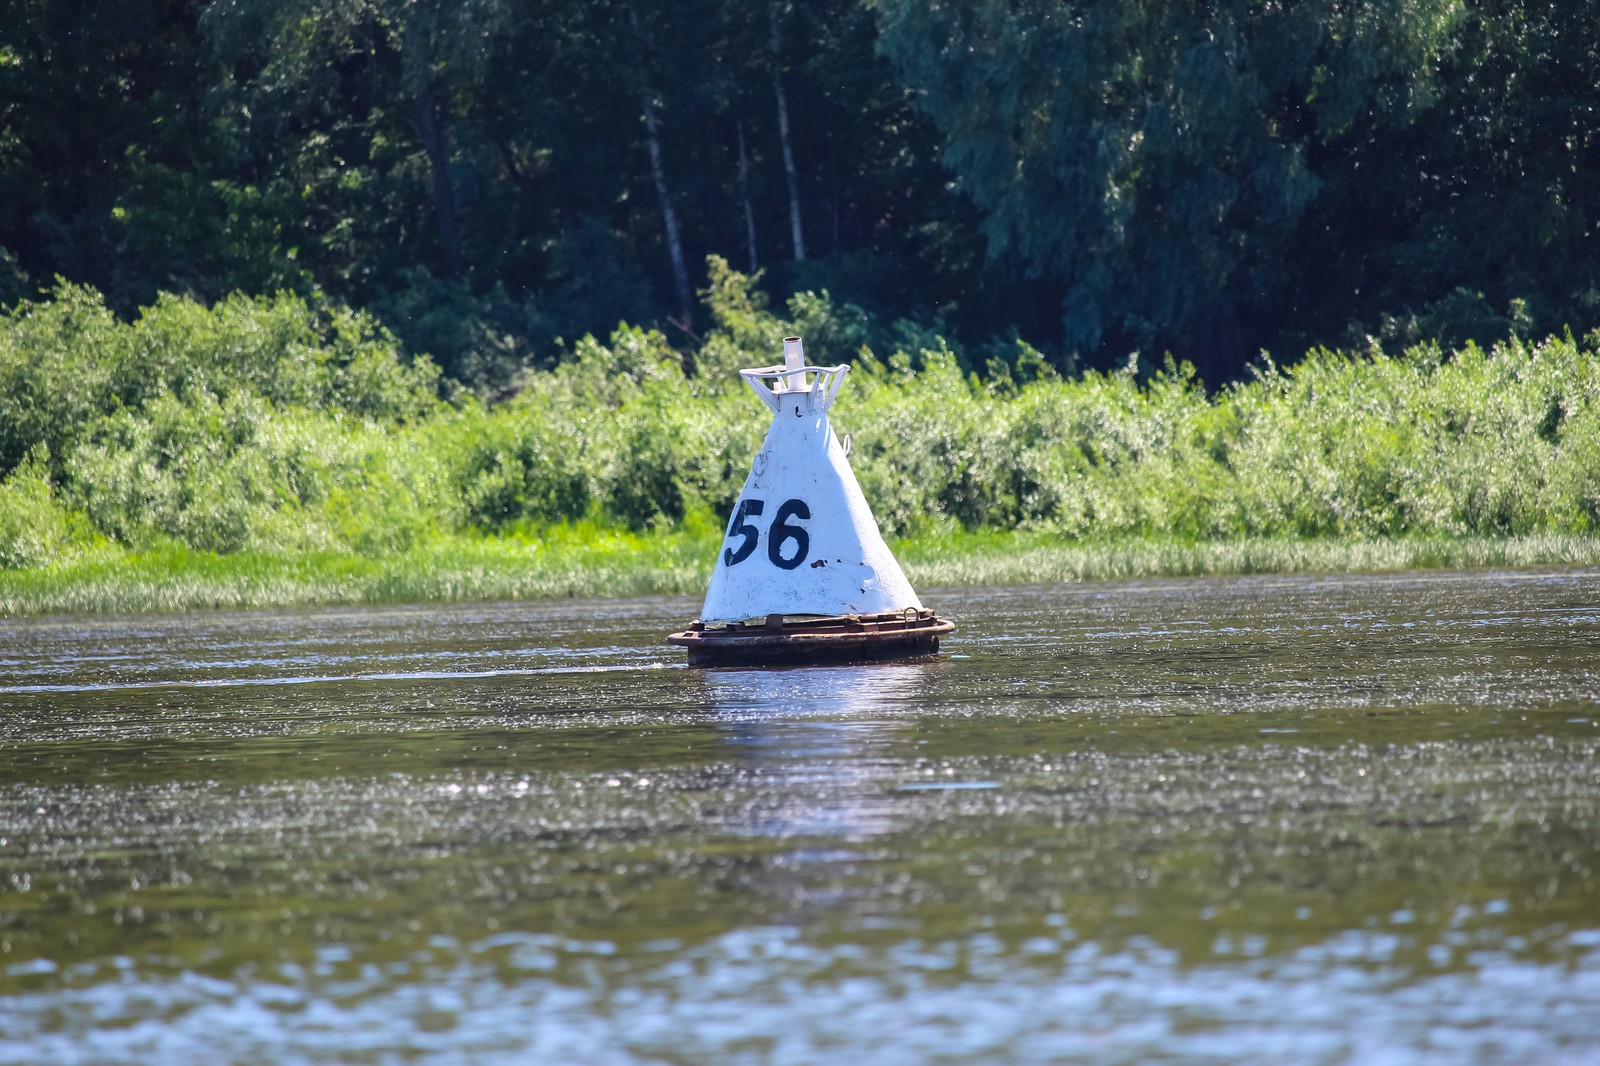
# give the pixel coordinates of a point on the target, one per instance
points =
(803, 572)
(820, 384)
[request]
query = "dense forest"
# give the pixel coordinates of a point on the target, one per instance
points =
(491, 181)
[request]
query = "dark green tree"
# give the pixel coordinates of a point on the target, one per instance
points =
(1481, 219)
(357, 103)
(1155, 157)
(94, 94)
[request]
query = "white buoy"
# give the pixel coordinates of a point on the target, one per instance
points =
(803, 572)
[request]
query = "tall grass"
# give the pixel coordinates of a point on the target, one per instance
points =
(582, 561)
(563, 562)
(273, 450)
(1023, 558)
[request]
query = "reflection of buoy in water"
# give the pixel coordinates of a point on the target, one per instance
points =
(803, 574)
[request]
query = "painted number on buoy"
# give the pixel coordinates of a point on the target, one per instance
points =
(784, 531)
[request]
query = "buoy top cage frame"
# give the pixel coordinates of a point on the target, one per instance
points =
(820, 383)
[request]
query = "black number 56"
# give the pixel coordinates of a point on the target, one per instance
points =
(782, 532)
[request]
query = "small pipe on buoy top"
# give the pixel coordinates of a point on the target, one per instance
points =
(794, 358)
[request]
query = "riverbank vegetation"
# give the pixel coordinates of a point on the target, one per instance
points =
(284, 450)
(303, 301)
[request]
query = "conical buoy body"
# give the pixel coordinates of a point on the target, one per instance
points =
(803, 572)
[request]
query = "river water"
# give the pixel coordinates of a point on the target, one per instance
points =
(1335, 819)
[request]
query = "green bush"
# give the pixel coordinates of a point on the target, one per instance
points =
(59, 360)
(233, 474)
(521, 463)
(35, 528)
(66, 362)
(275, 425)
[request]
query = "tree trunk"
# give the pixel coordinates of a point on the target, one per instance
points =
(680, 273)
(1220, 356)
(444, 197)
(775, 13)
(744, 196)
(669, 217)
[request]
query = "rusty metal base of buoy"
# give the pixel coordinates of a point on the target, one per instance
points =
(788, 639)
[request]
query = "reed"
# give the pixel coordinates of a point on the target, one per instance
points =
(1031, 558)
(567, 561)
(577, 562)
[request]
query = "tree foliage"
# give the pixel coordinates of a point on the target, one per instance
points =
(1157, 157)
(1207, 178)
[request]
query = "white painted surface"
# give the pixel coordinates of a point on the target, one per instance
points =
(802, 540)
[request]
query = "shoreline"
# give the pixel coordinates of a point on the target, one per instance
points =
(674, 562)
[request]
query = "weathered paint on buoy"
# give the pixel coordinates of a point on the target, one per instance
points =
(803, 572)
